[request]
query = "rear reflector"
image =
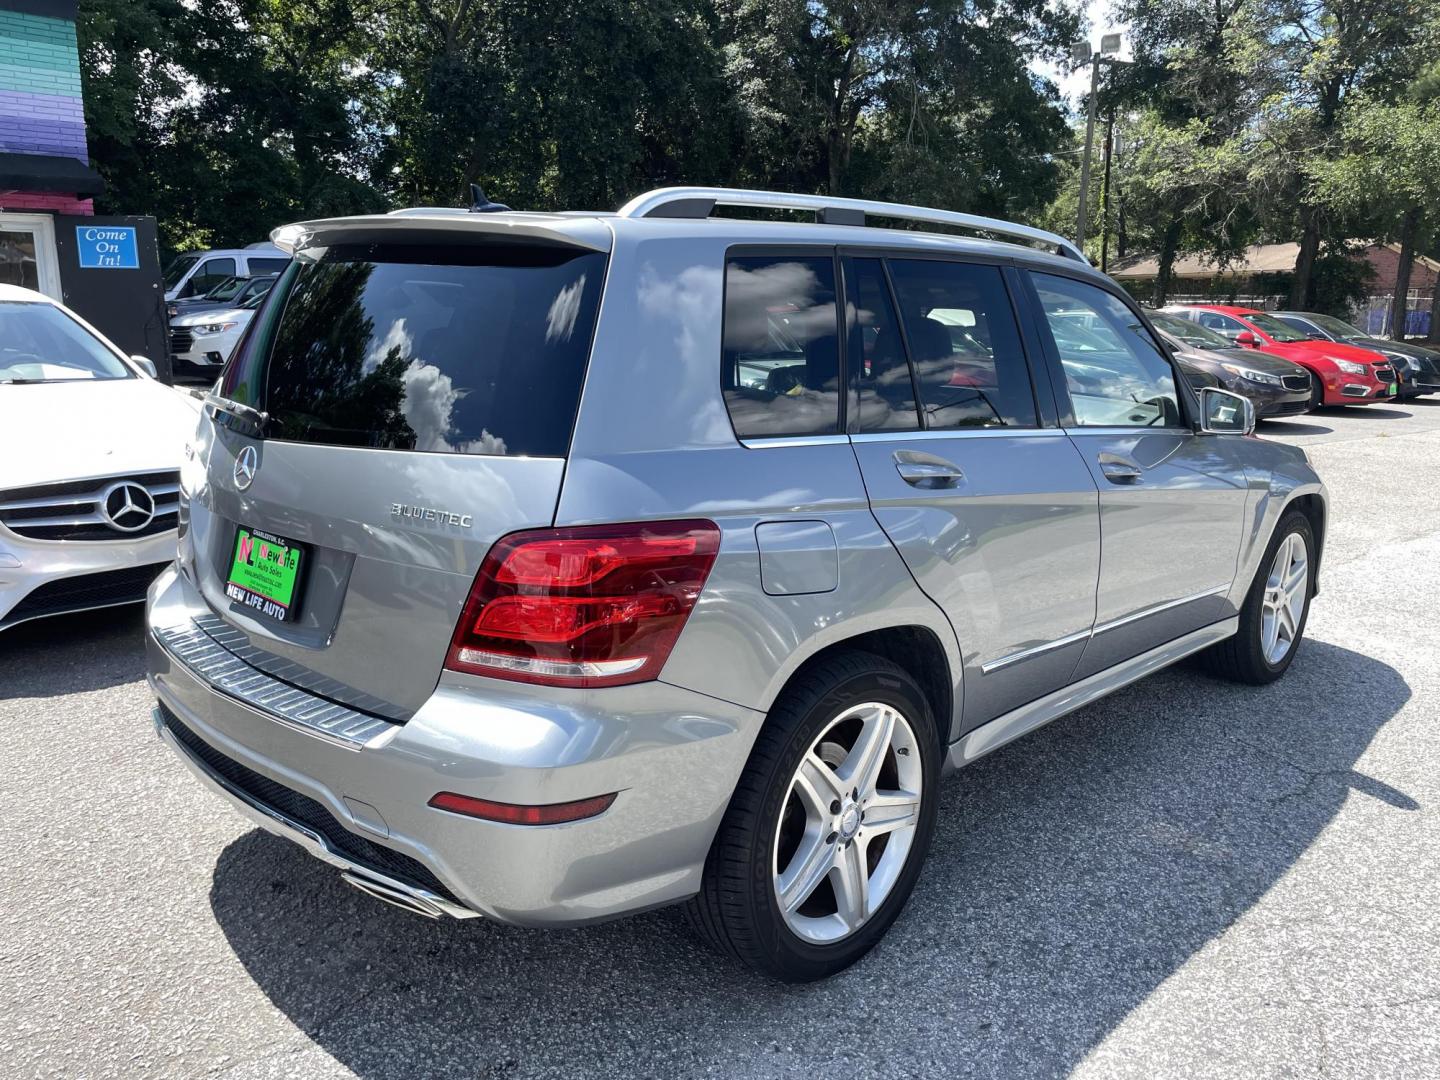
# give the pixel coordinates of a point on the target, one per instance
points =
(598, 605)
(517, 814)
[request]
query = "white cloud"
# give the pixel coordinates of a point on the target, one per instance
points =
(396, 337)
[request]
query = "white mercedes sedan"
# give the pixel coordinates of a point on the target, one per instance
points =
(90, 453)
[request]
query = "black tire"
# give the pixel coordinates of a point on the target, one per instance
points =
(736, 910)
(1242, 658)
(1317, 392)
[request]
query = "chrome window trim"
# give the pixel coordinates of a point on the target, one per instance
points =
(1123, 429)
(769, 442)
(954, 433)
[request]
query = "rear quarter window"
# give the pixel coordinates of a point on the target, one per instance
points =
(463, 349)
(780, 368)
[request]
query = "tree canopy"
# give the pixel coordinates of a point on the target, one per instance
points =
(1238, 121)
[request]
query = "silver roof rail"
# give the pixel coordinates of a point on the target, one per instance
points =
(698, 202)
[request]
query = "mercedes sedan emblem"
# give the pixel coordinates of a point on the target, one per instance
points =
(245, 466)
(128, 507)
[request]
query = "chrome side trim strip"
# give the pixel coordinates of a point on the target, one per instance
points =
(1081, 635)
(955, 433)
(1155, 609)
(1026, 654)
(421, 901)
(225, 673)
(1003, 729)
(767, 442)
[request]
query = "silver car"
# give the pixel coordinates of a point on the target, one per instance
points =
(551, 567)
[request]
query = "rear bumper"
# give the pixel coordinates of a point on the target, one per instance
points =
(673, 755)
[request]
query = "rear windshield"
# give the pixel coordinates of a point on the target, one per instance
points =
(476, 349)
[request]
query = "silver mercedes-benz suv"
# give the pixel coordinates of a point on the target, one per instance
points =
(551, 567)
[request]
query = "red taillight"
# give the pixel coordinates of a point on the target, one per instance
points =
(596, 605)
(517, 814)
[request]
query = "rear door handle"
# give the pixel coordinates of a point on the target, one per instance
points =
(1120, 470)
(927, 470)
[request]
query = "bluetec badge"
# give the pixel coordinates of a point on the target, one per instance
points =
(107, 247)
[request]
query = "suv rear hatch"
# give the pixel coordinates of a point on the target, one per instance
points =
(420, 380)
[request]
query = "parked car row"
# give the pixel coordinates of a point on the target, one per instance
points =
(210, 298)
(1265, 353)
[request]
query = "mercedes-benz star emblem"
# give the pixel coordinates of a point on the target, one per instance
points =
(128, 507)
(245, 466)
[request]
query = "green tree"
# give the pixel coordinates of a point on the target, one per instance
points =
(931, 103)
(1390, 165)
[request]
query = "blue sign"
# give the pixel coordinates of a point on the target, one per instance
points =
(107, 247)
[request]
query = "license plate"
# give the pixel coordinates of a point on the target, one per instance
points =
(265, 573)
(1394, 388)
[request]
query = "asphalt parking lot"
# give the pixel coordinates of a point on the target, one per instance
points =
(1187, 879)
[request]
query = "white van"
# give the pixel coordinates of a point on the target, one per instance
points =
(197, 272)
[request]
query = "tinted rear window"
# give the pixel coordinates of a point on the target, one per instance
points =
(460, 349)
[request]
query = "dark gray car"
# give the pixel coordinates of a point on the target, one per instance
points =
(1273, 384)
(1417, 366)
(549, 567)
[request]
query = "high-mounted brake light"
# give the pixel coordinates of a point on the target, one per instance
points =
(596, 605)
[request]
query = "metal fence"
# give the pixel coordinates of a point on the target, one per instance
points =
(1250, 300)
(1373, 315)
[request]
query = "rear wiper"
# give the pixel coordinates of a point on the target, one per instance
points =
(238, 411)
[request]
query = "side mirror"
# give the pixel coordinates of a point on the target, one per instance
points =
(1246, 340)
(145, 364)
(1224, 413)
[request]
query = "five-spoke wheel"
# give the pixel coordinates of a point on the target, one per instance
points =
(823, 839)
(848, 823)
(1283, 602)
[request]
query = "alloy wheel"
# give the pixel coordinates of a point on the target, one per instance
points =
(1283, 603)
(848, 823)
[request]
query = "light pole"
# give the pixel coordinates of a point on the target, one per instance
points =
(1080, 52)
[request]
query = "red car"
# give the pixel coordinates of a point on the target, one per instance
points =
(1342, 374)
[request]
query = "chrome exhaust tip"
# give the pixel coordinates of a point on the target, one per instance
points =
(414, 904)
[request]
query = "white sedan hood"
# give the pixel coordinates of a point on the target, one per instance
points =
(95, 427)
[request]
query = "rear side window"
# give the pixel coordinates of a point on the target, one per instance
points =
(781, 358)
(1220, 323)
(211, 273)
(886, 394)
(266, 266)
(474, 349)
(969, 364)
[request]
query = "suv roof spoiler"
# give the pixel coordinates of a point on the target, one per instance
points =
(698, 202)
(549, 229)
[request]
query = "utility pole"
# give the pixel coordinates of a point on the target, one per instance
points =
(1105, 191)
(1080, 52)
(1085, 161)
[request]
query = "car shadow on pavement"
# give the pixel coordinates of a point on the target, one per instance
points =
(1289, 427)
(1072, 872)
(1368, 412)
(101, 649)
